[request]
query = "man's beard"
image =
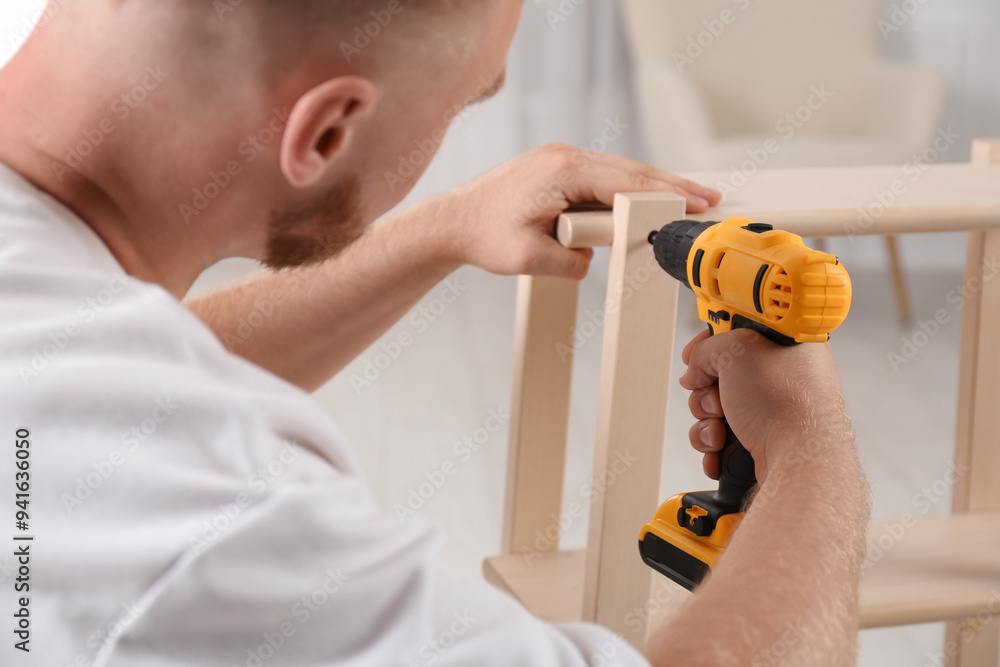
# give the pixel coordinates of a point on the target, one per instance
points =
(317, 230)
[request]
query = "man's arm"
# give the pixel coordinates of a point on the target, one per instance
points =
(786, 589)
(317, 319)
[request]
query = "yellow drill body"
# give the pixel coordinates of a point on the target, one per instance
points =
(770, 278)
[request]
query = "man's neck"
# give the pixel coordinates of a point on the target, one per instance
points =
(55, 145)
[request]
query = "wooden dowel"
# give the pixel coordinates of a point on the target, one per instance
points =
(591, 229)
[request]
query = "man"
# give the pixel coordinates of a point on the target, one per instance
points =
(190, 508)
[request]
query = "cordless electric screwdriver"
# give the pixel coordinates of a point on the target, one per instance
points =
(745, 275)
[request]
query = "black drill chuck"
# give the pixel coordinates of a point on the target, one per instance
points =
(672, 246)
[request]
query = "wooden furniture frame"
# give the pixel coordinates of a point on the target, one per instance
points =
(940, 569)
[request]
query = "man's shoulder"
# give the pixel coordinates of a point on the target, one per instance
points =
(86, 344)
(66, 299)
(52, 312)
(110, 355)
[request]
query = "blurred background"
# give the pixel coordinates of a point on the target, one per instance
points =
(688, 86)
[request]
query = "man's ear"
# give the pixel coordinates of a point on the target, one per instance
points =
(320, 124)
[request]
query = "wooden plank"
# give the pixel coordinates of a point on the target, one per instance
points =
(543, 366)
(978, 419)
(552, 588)
(936, 569)
(984, 455)
(549, 585)
(933, 569)
(967, 371)
(977, 449)
(641, 310)
(848, 201)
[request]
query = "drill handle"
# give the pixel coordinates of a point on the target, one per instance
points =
(736, 468)
(736, 471)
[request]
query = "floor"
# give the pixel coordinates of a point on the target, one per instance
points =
(409, 410)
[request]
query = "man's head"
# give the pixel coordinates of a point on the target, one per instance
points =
(274, 129)
(372, 86)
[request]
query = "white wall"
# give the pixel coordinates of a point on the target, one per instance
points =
(960, 39)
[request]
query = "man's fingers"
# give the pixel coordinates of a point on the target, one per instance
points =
(708, 435)
(708, 356)
(710, 464)
(710, 195)
(705, 403)
(596, 181)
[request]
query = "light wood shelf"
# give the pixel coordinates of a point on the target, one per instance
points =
(941, 568)
(938, 569)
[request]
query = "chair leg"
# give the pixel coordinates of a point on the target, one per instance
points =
(631, 417)
(973, 642)
(898, 279)
(543, 368)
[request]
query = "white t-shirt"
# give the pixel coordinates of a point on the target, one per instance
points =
(189, 508)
